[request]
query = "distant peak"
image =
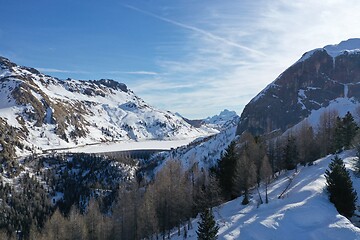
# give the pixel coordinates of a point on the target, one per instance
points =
(227, 112)
(224, 116)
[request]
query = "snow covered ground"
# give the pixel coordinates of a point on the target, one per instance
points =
(340, 105)
(304, 212)
(206, 152)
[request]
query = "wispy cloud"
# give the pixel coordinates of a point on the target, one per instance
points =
(134, 72)
(54, 70)
(203, 32)
(221, 74)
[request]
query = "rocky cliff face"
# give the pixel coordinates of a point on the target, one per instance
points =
(318, 78)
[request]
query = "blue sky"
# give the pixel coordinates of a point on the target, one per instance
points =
(193, 57)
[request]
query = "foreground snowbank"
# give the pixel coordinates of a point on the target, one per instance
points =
(304, 212)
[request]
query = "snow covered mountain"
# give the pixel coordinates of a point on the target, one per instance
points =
(220, 122)
(39, 112)
(204, 151)
(223, 120)
(324, 78)
(304, 211)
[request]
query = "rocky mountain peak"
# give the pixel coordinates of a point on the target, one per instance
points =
(111, 84)
(224, 116)
(318, 78)
(351, 45)
(6, 63)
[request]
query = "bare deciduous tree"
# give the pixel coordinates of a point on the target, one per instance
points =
(245, 176)
(266, 173)
(326, 131)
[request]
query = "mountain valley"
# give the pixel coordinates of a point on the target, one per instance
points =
(56, 137)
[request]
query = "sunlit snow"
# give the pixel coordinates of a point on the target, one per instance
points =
(304, 212)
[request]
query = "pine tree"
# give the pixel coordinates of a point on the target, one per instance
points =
(208, 229)
(226, 169)
(340, 188)
(345, 131)
(349, 129)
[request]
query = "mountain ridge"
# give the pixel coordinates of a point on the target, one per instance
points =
(44, 112)
(311, 83)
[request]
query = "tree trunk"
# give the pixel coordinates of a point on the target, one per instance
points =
(260, 198)
(266, 193)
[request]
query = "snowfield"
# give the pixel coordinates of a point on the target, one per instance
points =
(304, 212)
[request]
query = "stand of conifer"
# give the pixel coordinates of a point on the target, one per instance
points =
(340, 188)
(208, 228)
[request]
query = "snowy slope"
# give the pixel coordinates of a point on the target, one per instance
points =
(340, 105)
(303, 213)
(205, 151)
(48, 113)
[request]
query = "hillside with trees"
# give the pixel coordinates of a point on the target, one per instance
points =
(84, 190)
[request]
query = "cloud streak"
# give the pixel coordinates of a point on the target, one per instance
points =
(134, 72)
(198, 30)
(220, 77)
(55, 70)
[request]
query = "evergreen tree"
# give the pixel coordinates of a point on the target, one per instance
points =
(345, 131)
(208, 229)
(339, 186)
(226, 169)
(349, 129)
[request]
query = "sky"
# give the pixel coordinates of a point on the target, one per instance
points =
(194, 57)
